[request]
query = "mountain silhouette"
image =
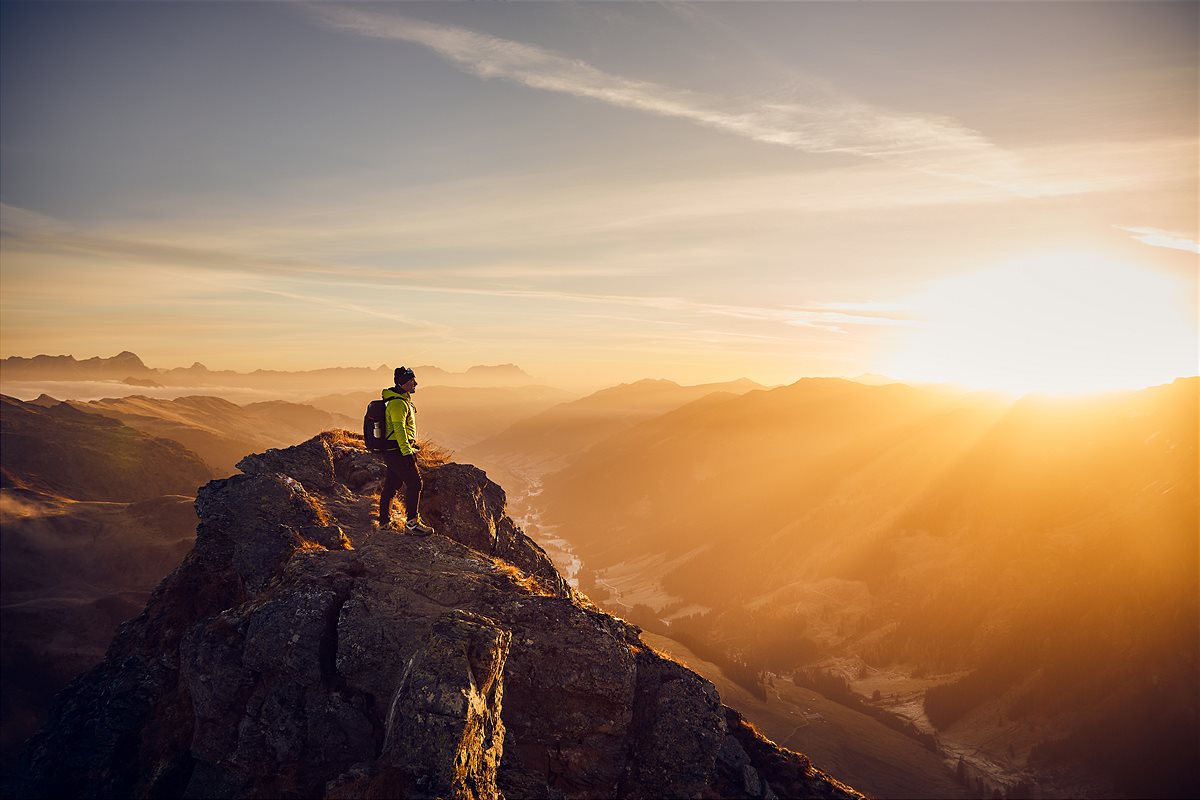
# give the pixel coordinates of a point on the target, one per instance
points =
(123, 365)
(127, 365)
(297, 652)
(549, 440)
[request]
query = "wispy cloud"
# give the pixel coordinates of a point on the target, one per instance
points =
(325, 283)
(833, 124)
(327, 302)
(832, 317)
(22, 221)
(1156, 237)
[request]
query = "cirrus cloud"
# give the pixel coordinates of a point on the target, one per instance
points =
(833, 124)
(1156, 237)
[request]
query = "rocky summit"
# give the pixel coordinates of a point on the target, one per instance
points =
(298, 652)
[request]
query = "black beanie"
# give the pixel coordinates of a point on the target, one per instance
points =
(403, 375)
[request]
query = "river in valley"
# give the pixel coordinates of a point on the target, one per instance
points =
(525, 512)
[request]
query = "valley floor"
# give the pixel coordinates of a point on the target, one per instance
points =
(987, 749)
(980, 756)
(853, 746)
(984, 754)
(856, 748)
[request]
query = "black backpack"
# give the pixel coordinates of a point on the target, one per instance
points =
(375, 427)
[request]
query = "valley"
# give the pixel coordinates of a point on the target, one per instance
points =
(1018, 580)
(879, 760)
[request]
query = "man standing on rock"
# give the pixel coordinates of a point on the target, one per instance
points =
(401, 459)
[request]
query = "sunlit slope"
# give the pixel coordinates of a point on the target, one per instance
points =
(551, 439)
(754, 464)
(306, 383)
(821, 477)
(220, 432)
(1048, 546)
(61, 450)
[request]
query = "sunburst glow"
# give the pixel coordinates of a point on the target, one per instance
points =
(1061, 323)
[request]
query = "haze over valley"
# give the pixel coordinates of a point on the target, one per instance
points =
(1034, 562)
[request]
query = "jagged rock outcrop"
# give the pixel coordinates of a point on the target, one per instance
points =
(298, 653)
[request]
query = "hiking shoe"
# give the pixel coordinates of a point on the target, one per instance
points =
(392, 525)
(418, 528)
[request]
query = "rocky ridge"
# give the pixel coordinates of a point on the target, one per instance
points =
(295, 652)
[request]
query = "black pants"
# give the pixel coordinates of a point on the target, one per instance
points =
(401, 469)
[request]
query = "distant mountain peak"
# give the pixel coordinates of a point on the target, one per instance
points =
(122, 365)
(498, 369)
(872, 379)
(127, 364)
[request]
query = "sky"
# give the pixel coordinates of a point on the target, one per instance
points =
(998, 194)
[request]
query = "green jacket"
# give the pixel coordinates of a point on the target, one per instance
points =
(401, 420)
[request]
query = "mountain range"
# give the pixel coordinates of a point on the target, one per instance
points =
(218, 431)
(1020, 578)
(547, 441)
(127, 365)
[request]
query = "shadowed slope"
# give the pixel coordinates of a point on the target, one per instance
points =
(94, 514)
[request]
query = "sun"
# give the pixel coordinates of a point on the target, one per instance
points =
(1060, 323)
